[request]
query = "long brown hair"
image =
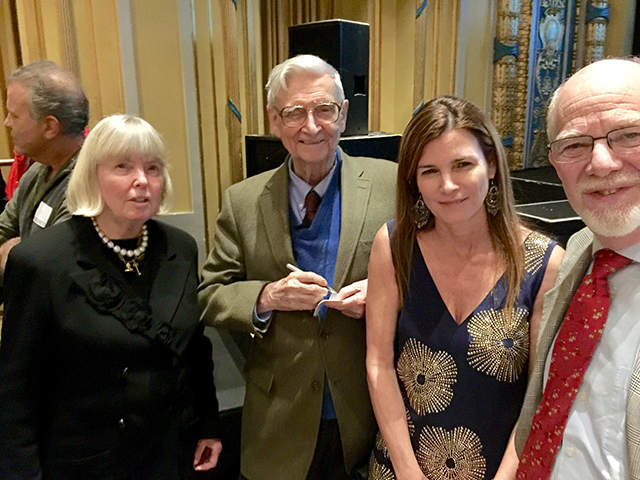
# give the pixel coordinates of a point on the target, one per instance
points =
(438, 116)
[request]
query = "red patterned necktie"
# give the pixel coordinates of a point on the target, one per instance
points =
(311, 204)
(577, 340)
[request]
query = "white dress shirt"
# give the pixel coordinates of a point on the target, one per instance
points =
(594, 444)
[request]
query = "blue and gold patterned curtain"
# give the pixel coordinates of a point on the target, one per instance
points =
(538, 44)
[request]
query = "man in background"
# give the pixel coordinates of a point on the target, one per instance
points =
(47, 114)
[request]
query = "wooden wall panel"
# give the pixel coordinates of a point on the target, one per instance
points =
(160, 86)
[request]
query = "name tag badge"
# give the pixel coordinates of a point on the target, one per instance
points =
(42, 215)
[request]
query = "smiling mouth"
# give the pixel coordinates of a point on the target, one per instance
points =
(453, 202)
(311, 142)
(140, 199)
(606, 192)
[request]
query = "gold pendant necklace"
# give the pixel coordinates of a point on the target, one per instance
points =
(130, 258)
(131, 265)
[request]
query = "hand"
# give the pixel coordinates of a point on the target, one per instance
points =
(5, 248)
(207, 454)
(298, 291)
(350, 300)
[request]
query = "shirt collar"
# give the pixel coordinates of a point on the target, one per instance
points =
(632, 252)
(299, 188)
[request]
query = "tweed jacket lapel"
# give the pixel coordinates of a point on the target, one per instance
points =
(274, 213)
(632, 424)
(355, 191)
(556, 302)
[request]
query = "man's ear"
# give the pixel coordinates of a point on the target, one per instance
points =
(274, 121)
(52, 127)
(343, 115)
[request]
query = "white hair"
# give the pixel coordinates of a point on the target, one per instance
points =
(300, 64)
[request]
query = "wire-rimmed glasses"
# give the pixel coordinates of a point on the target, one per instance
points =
(623, 141)
(324, 113)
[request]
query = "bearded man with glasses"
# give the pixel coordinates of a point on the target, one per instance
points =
(581, 416)
(283, 239)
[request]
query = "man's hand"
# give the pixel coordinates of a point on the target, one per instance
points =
(5, 248)
(298, 291)
(350, 300)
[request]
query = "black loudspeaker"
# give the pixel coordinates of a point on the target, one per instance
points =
(345, 45)
(265, 152)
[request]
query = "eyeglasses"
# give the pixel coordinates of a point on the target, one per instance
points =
(623, 141)
(324, 113)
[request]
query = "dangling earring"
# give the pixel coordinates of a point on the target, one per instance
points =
(420, 213)
(492, 200)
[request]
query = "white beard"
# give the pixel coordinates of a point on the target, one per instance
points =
(613, 223)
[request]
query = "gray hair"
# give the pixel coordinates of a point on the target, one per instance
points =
(300, 64)
(56, 92)
(118, 136)
(552, 112)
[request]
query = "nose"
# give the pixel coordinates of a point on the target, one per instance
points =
(6, 121)
(310, 124)
(448, 185)
(603, 159)
(140, 177)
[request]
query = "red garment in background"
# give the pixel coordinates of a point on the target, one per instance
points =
(20, 165)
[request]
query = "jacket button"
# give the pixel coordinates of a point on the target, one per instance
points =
(121, 424)
(325, 336)
(316, 385)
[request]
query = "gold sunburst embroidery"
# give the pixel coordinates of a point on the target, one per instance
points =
(378, 471)
(499, 346)
(535, 246)
(427, 376)
(381, 446)
(455, 454)
(410, 424)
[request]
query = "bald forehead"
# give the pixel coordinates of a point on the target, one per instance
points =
(604, 86)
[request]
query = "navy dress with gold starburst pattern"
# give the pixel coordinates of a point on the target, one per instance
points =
(462, 384)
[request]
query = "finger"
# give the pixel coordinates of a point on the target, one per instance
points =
(308, 278)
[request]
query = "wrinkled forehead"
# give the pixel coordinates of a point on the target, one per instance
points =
(307, 89)
(597, 99)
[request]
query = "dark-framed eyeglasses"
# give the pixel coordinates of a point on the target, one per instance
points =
(623, 141)
(324, 113)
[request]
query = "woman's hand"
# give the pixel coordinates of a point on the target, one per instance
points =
(207, 454)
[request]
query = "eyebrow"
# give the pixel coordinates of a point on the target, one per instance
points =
(623, 121)
(457, 159)
(314, 104)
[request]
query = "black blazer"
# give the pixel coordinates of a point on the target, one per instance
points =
(96, 381)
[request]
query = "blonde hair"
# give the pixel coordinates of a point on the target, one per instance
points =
(118, 136)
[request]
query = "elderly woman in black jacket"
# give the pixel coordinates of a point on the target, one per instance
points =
(105, 372)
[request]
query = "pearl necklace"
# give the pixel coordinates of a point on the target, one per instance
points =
(130, 258)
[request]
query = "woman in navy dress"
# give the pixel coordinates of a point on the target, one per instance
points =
(454, 303)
